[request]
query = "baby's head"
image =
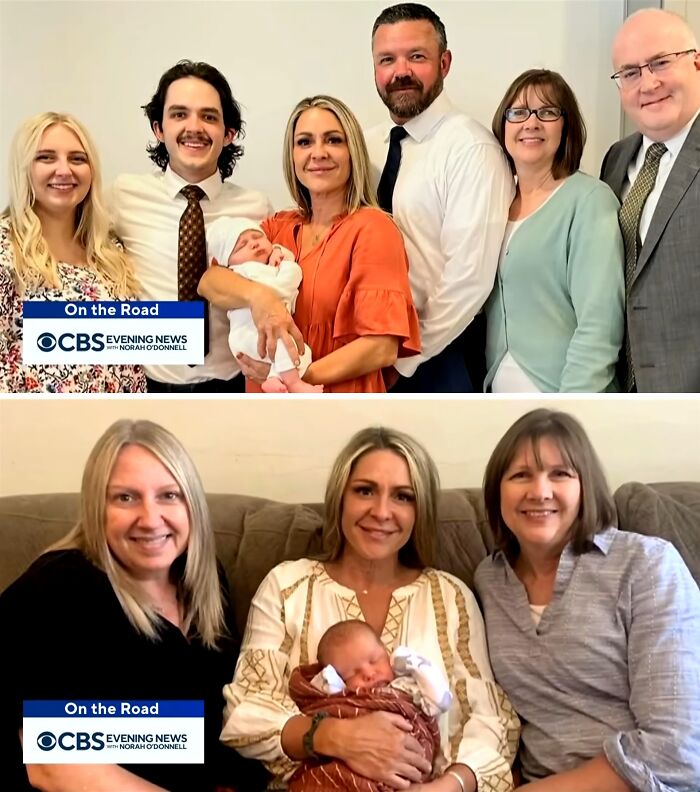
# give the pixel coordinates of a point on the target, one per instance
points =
(354, 650)
(251, 245)
(235, 240)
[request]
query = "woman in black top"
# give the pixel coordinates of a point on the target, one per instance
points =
(129, 605)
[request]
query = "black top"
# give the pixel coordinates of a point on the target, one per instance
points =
(65, 636)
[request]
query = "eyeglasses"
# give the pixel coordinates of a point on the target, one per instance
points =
(631, 75)
(517, 115)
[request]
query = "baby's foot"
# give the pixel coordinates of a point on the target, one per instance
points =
(274, 385)
(304, 387)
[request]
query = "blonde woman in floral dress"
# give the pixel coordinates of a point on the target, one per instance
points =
(55, 244)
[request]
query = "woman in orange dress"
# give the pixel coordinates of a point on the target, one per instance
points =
(354, 309)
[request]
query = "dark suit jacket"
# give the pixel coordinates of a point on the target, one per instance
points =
(663, 306)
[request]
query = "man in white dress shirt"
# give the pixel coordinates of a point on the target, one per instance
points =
(196, 120)
(450, 200)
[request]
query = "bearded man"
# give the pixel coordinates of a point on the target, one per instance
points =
(446, 181)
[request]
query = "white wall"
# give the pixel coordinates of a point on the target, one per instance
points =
(102, 60)
(283, 449)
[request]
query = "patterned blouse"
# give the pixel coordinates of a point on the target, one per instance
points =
(436, 615)
(79, 283)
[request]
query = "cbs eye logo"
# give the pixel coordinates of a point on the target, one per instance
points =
(46, 342)
(46, 740)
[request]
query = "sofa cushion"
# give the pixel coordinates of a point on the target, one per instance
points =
(253, 534)
(670, 510)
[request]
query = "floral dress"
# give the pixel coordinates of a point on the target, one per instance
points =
(79, 283)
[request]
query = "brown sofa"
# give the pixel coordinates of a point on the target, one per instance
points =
(254, 534)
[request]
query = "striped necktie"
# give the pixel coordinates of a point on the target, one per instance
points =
(630, 215)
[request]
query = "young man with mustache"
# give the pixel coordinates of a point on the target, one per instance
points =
(195, 120)
(450, 199)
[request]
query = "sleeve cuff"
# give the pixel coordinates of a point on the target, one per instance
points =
(407, 366)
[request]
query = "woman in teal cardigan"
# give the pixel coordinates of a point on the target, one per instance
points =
(555, 319)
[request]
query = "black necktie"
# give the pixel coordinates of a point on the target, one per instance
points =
(385, 191)
(192, 252)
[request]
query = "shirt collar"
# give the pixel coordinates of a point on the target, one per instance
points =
(422, 125)
(674, 144)
(173, 183)
(604, 540)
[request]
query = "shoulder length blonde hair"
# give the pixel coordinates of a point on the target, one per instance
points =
(33, 262)
(419, 551)
(194, 572)
(359, 188)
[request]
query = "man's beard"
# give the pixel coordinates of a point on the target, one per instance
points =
(406, 106)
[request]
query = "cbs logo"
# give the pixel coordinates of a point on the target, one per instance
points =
(71, 741)
(71, 342)
(46, 342)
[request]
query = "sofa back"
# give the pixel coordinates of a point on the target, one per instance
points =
(254, 534)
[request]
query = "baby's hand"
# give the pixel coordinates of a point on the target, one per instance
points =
(276, 257)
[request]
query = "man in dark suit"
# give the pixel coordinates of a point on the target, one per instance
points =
(656, 174)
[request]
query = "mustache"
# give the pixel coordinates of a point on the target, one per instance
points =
(404, 82)
(194, 138)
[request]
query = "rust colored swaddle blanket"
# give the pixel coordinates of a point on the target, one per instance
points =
(319, 775)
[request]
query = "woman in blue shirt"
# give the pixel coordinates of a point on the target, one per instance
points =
(555, 319)
(592, 632)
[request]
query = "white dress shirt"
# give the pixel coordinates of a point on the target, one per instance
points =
(667, 161)
(451, 203)
(146, 211)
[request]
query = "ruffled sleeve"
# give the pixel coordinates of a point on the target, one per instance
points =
(377, 299)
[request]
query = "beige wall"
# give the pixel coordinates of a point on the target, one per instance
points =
(274, 53)
(283, 449)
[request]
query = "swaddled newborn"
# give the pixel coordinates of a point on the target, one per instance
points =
(355, 676)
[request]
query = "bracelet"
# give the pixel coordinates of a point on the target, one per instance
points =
(458, 777)
(308, 739)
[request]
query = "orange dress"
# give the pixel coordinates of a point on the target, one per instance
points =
(355, 283)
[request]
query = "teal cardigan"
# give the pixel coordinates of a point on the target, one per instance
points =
(558, 305)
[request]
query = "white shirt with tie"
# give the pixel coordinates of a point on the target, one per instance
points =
(666, 163)
(451, 200)
(146, 211)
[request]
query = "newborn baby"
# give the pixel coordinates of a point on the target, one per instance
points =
(240, 245)
(357, 678)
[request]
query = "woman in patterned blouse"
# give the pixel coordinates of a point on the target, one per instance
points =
(55, 244)
(381, 517)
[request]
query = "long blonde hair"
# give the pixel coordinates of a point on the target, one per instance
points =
(419, 551)
(195, 572)
(33, 262)
(359, 188)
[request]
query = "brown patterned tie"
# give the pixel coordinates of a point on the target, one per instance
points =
(630, 215)
(192, 252)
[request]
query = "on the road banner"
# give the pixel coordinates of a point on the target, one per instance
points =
(113, 732)
(113, 332)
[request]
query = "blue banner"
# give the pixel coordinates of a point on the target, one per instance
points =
(112, 709)
(46, 309)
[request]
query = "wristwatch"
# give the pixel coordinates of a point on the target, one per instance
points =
(308, 739)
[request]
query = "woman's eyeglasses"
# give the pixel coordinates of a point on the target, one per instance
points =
(516, 115)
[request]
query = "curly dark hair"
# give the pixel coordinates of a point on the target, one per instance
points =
(230, 107)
